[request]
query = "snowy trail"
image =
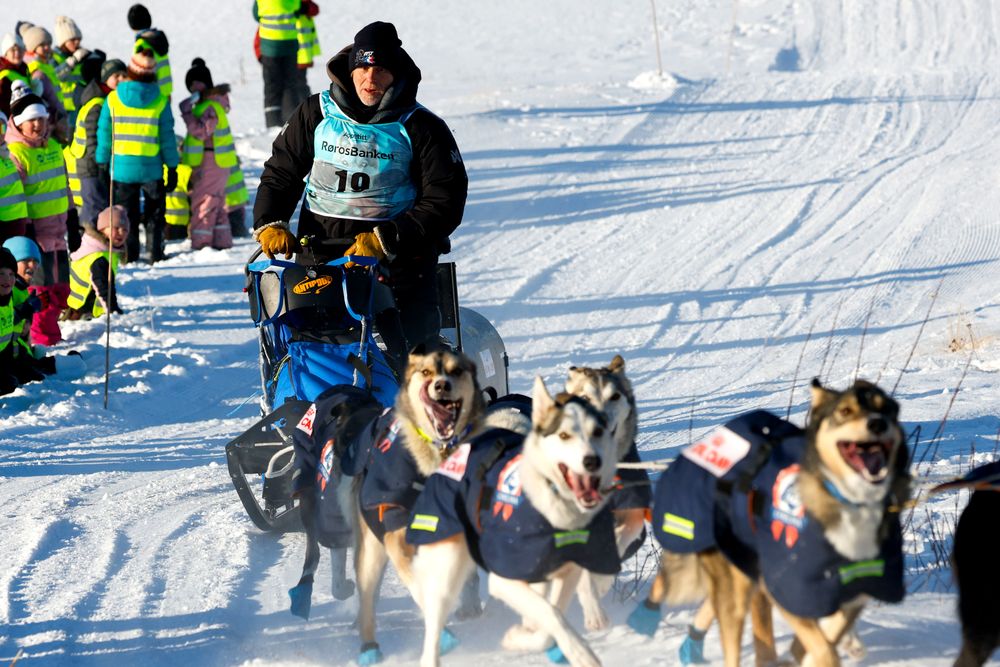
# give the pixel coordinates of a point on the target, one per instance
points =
(816, 165)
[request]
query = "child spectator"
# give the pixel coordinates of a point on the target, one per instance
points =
(208, 148)
(83, 150)
(15, 369)
(149, 37)
(139, 118)
(178, 205)
(13, 205)
(39, 162)
(68, 59)
(92, 293)
(38, 55)
(12, 67)
(29, 258)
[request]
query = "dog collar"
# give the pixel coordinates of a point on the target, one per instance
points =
(835, 492)
(443, 447)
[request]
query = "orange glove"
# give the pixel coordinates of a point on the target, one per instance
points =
(366, 244)
(277, 239)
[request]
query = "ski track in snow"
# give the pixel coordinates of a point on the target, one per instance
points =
(817, 165)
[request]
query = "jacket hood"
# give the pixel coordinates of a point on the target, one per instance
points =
(138, 94)
(92, 90)
(401, 96)
(93, 241)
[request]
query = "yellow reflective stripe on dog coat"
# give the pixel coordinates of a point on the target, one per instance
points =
(864, 568)
(426, 522)
(678, 525)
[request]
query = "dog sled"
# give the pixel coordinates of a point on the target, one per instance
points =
(317, 328)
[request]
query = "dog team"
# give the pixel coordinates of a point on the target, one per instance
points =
(758, 514)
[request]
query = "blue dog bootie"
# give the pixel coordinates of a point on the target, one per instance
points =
(448, 642)
(692, 650)
(644, 619)
(556, 655)
(370, 655)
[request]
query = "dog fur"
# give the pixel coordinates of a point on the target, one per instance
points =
(438, 403)
(609, 390)
(563, 437)
(974, 564)
(853, 442)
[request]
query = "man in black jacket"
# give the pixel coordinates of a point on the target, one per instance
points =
(382, 170)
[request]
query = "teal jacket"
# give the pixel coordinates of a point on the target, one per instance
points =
(135, 168)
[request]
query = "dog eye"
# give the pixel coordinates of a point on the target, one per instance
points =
(563, 435)
(426, 372)
(598, 432)
(844, 412)
(615, 396)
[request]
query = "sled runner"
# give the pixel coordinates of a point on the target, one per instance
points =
(316, 329)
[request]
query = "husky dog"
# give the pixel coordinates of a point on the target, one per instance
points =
(527, 506)
(438, 406)
(804, 515)
(609, 390)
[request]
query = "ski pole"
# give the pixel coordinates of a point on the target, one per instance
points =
(107, 305)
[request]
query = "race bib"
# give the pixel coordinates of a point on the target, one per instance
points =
(306, 423)
(454, 466)
(718, 452)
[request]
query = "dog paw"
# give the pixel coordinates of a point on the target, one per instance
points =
(370, 655)
(595, 619)
(342, 589)
(852, 645)
(521, 638)
(644, 620)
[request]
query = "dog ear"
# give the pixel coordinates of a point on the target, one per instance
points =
(820, 394)
(541, 402)
(617, 365)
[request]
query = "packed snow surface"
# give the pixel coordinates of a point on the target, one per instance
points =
(807, 189)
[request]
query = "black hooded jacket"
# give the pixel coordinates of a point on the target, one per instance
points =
(415, 237)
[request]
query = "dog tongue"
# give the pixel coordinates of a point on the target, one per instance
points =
(442, 414)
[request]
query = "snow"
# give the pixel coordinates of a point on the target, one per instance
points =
(803, 185)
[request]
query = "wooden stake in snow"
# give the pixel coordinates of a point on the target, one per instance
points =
(107, 305)
(656, 36)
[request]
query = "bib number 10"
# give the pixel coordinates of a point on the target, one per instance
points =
(359, 180)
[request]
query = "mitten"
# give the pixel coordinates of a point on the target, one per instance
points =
(277, 238)
(73, 234)
(171, 183)
(366, 244)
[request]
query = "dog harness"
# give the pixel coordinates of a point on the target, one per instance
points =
(477, 492)
(737, 490)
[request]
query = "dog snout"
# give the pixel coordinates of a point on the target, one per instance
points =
(878, 425)
(591, 462)
(442, 386)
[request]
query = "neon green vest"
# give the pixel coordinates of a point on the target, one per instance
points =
(136, 130)
(69, 86)
(45, 179)
(178, 203)
(13, 205)
(80, 286)
(277, 19)
(236, 188)
(163, 76)
(193, 149)
(78, 147)
(305, 27)
(7, 323)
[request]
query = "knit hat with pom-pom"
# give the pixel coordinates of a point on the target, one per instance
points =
(199, 73)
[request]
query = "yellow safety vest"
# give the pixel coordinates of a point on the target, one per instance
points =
(136, 130)
(22, 329)
(7, 323)
(236, 188)
(80, 286)
(13, 205)
(305, 27)
(75, 186)
(164, 78)
(45, 178)
(193, 149)
(277, 19)
(69, 86)
(178, 203)
(79, 144)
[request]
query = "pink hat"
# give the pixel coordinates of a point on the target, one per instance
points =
(116, 213)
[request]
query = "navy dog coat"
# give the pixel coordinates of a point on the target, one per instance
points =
(737, 490)
(477, 492)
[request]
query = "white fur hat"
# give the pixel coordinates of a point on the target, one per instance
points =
(9, 41)
(66, 30)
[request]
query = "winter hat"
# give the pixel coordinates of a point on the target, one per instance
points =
(377, 44)
(199, 73)
(113, 66)
(117, 214)
(25, 104)
(9, 41)
(139, 18)
(142, 67)
(7, 260)
(23, 249)
(66, 30)
(90, 68)
(36, 36)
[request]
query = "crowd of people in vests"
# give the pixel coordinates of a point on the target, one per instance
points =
(88, 155)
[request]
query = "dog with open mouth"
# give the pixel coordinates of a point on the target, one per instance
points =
(761, 512)
(609, 390)
(527, 503)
